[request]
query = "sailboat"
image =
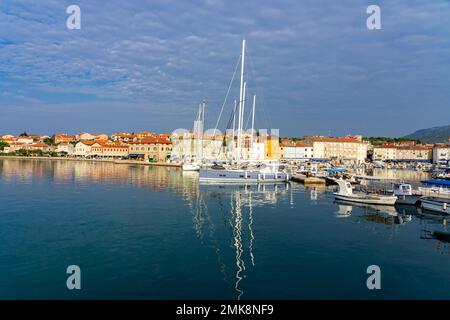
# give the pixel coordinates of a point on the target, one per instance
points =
(240, 172)
(194, 163)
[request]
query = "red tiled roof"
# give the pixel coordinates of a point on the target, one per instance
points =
(332, 139)
(152, 141)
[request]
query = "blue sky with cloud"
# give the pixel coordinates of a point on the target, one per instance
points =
(145, 65)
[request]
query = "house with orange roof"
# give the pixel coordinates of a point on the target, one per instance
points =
(109, 149)
(83, 148)
(63, 137)
(123, 137)
(151, 149)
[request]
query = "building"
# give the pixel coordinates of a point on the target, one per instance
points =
(26, 139)
(423, 153)
(108, 149)
(83, 148)
(441, 153)
(272, 148)
(384, 153)
(350, 149)
(404, 153)
(88, 136)
(124, 137)
(38, 146)
(296, 151)
(65, 147)
(14, 146)
(63, 137)
(151, 149)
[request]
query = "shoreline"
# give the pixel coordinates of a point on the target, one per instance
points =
(114, 161)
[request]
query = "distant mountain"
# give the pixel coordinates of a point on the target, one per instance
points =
(431, 135)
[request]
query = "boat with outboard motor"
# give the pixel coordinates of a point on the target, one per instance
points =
(345, 192)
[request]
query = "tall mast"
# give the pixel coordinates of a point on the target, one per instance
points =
(234, 126)
(241, 98)
(242, 117)
(253, 118)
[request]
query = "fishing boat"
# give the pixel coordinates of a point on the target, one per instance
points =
(405, 195)
(436, 204)
(240, 170)
(345, 193)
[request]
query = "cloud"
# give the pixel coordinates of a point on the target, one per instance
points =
(308, 57)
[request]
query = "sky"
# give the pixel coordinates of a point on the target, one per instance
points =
(146, 65)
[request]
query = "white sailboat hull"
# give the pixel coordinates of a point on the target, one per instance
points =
(241, 176)
(190, 167)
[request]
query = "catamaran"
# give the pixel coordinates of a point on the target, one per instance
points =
(241, 171)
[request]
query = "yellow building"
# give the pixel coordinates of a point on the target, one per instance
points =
(108, 149)
(151, 149)
(272, 148)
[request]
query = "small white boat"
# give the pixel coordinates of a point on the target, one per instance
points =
(404, 194)
(345, 193)
(436, 204)
(191, 166)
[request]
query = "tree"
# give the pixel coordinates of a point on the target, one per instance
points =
(50, 141)
(3, 144)
(23, 134)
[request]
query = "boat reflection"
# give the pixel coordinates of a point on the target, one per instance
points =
(237, 204)
(434, 227)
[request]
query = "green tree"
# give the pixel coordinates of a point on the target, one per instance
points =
(3, 144)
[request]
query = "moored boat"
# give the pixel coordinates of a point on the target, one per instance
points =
(436, 204)
(345, 193)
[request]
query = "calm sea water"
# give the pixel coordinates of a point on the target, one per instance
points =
(154, 233)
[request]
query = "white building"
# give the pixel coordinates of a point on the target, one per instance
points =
(349, 149)
(441, 153)
(299, 151)
(83, 148)
(65, 147)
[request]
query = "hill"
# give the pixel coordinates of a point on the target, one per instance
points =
(431, 135)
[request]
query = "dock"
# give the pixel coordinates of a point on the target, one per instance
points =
(307, 180)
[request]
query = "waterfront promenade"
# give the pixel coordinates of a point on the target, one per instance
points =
(116, 161)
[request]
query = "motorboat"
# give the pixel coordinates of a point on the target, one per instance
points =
(345, 193)
(405, 195)
(191, 166)
(440, 205)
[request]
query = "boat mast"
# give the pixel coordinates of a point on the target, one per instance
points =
(234, 126)
(253, 119)
(242, 121)
(241, 98)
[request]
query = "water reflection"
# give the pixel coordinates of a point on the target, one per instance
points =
(236, 204)
(433, 226)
